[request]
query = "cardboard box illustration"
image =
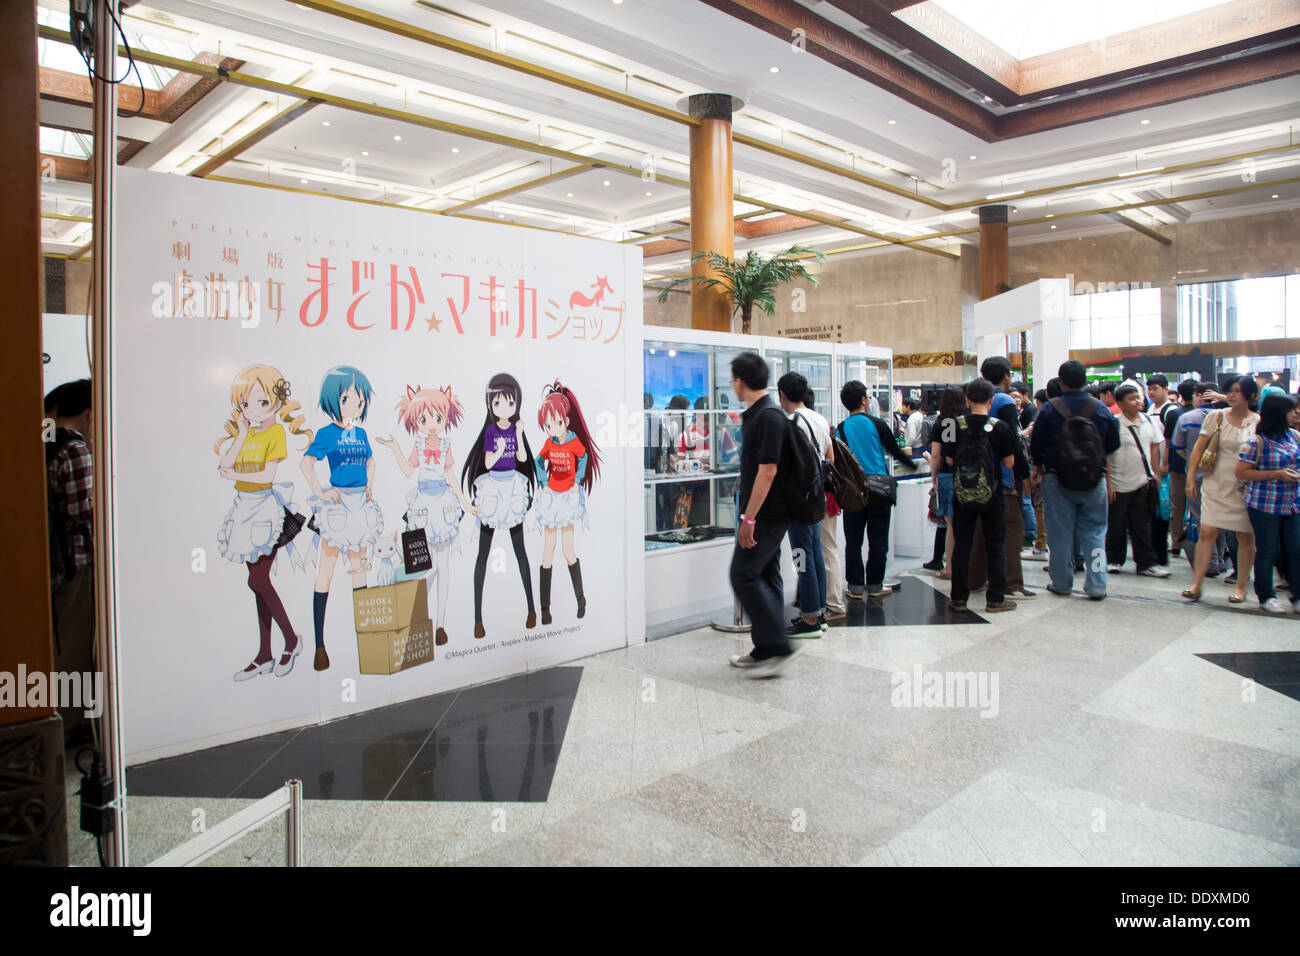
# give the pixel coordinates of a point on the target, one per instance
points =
(394, 632)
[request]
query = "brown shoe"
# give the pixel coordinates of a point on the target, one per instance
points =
(322, 660)
(440, 638)
(478, 629)
(1004, 606)
(532, 619)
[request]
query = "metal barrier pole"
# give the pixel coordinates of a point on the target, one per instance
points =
(737, 624)
(293, 825)
(103, 192)
(286, 800)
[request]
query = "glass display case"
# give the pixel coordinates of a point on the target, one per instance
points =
(691, 467)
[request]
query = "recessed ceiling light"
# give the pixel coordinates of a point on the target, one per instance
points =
(617, 2)
(455, 149)
(972, 156)
(1145, 122)
(303, 181)
(324, 122)
(774, 69)
(1050, 215)
(649, 194)
(1053, 225)
(397, 137)
(988, 99)
(893, 122)
(364, 153)
(570, 195)
(1275, 195)
(606, 183)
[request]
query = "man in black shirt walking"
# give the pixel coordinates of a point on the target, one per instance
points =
(756, 562)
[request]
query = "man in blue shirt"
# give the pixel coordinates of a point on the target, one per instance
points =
(1073, 515)
(869, 439)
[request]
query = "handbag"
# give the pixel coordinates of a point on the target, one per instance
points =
(883, 487)
(1210, 457)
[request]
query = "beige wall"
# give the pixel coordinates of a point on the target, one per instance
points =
(915, 302)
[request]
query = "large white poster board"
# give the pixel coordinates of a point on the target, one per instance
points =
(282, 358)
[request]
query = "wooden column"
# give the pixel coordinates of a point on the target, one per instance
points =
(712, 216)
(32, 789)
(994, 257)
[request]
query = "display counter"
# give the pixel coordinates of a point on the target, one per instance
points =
(691, 466)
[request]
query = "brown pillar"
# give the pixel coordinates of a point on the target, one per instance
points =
(712, 216)
(33, 798)
(994, 259)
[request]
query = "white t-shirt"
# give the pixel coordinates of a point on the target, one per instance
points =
(912, 430)
(821, 430)
(1126, 470)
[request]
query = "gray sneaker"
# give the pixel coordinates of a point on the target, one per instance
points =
(1273, 605)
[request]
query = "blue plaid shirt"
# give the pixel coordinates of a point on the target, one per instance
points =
(1273, 497)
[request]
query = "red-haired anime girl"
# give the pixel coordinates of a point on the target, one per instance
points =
(568, 465)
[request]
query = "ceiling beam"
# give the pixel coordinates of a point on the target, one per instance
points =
(252, 138)
(1138, 227)
(521, 187)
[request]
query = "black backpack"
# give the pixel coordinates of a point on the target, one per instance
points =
(975, 475)
(1080, 457)
(800, 473)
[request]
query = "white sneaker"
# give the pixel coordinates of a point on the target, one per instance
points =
(1274, 605)
(1155, 571)
(744, 661)
(1115, 568)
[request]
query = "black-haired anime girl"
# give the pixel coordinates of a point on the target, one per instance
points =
(500, 475)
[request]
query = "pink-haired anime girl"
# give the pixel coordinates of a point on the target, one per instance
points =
(435, 505)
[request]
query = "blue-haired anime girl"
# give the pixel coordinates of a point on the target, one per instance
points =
(347, 518)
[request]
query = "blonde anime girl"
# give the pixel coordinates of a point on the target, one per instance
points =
(262, 519)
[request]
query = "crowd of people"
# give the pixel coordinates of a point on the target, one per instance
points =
(1076, 474)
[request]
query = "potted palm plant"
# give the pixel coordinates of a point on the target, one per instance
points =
(752, 280)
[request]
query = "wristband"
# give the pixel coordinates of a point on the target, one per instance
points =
(747, 520)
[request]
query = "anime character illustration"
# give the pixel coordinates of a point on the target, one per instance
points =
(346, 516)
(568, 464)
(435, 506)
(387, 558)
(499, 472)
(262, 519)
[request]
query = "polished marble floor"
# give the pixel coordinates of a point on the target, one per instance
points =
(1139, 730)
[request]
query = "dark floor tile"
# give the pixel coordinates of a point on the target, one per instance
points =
(215, 772)
(509, 772)
(914, 602)
(505, 721)
(1276, 670)
(410, 721)
(518, 724)
(559, 682)
(335, 770)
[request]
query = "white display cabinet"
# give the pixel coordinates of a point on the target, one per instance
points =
(691, 461)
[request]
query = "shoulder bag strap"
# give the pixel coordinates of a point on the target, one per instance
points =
(1138, 441)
